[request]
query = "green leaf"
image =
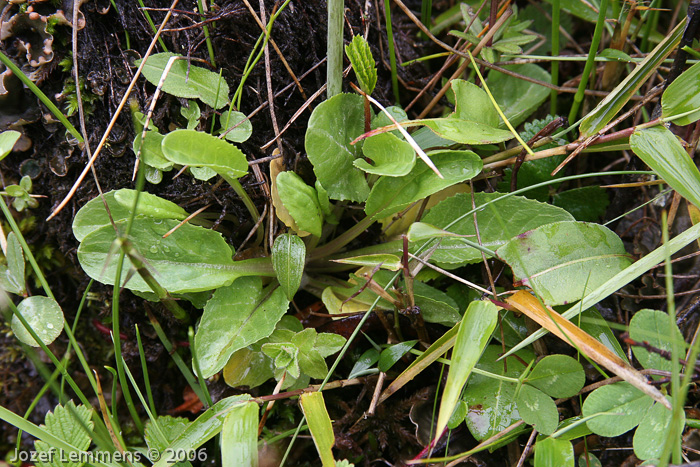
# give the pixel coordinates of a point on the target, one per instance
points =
(202, 173)
(301, 201)
(422, 231)
(201, 430)
(592, 322)
(93, 215)
(681, 96)
(186, 80)
(393, 354)
(12, 277)
(537, 409)
(191, 259)
(472, 103)
(169, 427)
(491, 402)
(236, 316)
(150, 205)
(43, 315)
(498, 222)
(242, 128)
(435, 305)
(513, 328)
(390, 156)
(606, 110)
(652, 430)
(615, 54)
(311, 362)
(652, 326)
(587, 204)
(151, 151)
(285, 357)
(332, 126)
(364, 363)
(15, 191)
(391, 194)
(474, 333)
(7, 142)
(195, 148)
(360, 56)
(551, 452)
(71, 424)
(623, 406)
(464, 131)
(564, 261)
(664, 154)
(557, 376)
(192, 114)
(239, 436)
(248, 367)
(517, 98)
(320, 426)
(288, 258)
(387, 261)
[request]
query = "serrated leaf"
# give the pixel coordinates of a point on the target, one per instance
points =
(491, 402)
(551, 452)
(393, 354)
(333, 125)
(301, 201)
(239, 436)
(288, 258)
(537, 409)
(191, 259)
(360, 56)
(242, 128)
(624, 407)
(187, 80)
(661, 150)
(517, 98)
(71, 424)
(652, 326)
(199, 149)
(150, 205)
(606, 110)
(654, 427)
(236, 316)
(564, 261)
(43, 315)
(557, 376)
(7, 142)
(320, 426)
(391, 194)
(499, 220)
(390, 156)
(475, 330)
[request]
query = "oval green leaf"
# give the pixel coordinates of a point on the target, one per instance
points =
(652, 326)
(472, 103)
(43, 315)
(235, 317)
(332, 126)
(391, 194)
(199, 149)
(516, 97)
(464, 131)
(551, 452)
(475, 330)
(240, 124)
(7, 142)
(537, 409)
(390, 156)
(151, 151)
(499, 220)
(622, 407)
(186, 80)
(664, 154)
(653, 429)
(564, 261)
(557, 376)
(301, 201)
(288, 258)
(150, 205)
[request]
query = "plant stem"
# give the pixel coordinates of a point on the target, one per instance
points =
(392, 53)
(590, 61)
(556, 10)
(334, 73)
(210, 48)
(236, 185)
(340, 241)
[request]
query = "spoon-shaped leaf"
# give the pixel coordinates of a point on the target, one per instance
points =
(196, 148)
(474, 333)
(288, 257)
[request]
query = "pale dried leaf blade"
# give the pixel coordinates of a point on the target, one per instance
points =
(568, 332)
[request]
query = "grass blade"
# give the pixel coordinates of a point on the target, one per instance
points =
(320, 425)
